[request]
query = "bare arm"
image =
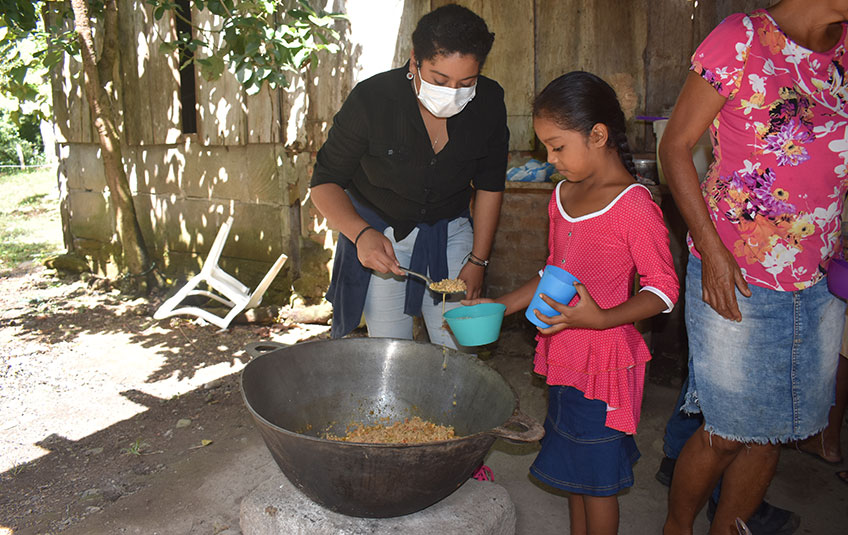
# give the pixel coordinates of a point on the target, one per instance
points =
(586, 314)
(487, 211)
(373, 249)
(516, 300)
(696, 107)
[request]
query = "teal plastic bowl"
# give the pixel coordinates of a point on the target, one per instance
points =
(476, 325)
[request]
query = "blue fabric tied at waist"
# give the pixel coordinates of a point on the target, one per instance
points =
(349, 285)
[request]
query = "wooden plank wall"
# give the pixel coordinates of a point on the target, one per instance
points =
(538, 40)
(605, 37)
(251, 154)
(668, 52)
(327, 84)
(642, 47)
(150, 81)
(71, 115)
(511, 60)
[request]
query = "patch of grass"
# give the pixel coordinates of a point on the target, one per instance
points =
(30, 224)
(32, 199)
(136, 447)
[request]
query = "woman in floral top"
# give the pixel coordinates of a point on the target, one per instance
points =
(763, 328)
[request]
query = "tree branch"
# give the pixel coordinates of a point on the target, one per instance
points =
(106, 64)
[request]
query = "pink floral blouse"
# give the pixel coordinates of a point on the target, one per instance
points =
(776, 187)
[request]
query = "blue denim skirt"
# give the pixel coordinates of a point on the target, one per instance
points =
(579, 453)
(770, 378)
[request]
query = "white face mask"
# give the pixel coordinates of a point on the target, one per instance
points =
(444, 101)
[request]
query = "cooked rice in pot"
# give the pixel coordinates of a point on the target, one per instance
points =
(408, 431)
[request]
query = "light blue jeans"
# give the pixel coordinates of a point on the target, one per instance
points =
(384, 303)
(772, 376)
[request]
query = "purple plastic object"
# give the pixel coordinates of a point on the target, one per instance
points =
(650, 118)
(837, 277)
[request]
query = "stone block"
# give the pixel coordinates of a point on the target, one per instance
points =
(256, 173)
(156, 169)
(83, 166)
(90, 215)
(314, 276)
(520, 247)
(260, 231)
(245, 173)
(476, 508)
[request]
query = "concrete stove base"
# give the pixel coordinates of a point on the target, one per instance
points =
(476, 508)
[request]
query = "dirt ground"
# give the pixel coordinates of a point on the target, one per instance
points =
(96, 397)
(112, 422)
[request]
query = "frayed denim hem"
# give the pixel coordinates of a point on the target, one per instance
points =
(783, 439)
(769, 379)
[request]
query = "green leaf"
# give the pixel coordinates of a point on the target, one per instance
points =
(301, 57)
(252, 46)
(18, 73)
(53, 57)
(168, 47)
(244, 73)
(258, 40)
(254, 87)
(211, 68)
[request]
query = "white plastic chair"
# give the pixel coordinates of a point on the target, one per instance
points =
(230, 292)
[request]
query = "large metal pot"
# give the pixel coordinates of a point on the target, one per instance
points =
(298, 393)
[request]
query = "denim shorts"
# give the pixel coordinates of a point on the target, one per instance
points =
(770, 378)
(579, 454)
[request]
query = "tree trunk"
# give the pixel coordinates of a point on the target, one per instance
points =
(98, 82)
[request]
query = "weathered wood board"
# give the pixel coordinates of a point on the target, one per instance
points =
(150, 80)
(221, 103)
(252, 154)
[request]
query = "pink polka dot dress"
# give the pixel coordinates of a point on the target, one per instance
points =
(605, 250)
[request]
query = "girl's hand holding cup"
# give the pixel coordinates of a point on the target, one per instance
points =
(586, 314)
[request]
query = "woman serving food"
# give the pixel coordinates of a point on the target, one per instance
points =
(405, 155)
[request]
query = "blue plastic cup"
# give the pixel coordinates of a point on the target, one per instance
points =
(556, 283)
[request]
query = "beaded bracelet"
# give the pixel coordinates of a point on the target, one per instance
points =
(361, 232)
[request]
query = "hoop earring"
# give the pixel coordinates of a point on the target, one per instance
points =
(409, 76)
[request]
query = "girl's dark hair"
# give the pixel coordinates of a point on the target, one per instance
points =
(451, 29)
(578, 101)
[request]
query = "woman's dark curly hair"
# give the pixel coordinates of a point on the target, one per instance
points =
(578, 101)
(451, 29)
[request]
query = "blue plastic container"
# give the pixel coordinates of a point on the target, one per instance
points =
(476, 325)
(556, 283)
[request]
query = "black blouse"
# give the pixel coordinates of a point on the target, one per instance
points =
(379, 151)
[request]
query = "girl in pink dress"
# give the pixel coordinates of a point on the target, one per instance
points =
(604, 229)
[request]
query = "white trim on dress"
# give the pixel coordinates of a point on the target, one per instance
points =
(659, 293)
(602, 211)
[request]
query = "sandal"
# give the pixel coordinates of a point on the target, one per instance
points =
(814, 447)
(843, 476)
(484, 473)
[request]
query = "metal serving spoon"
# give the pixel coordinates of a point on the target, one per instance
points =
(429, 281)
